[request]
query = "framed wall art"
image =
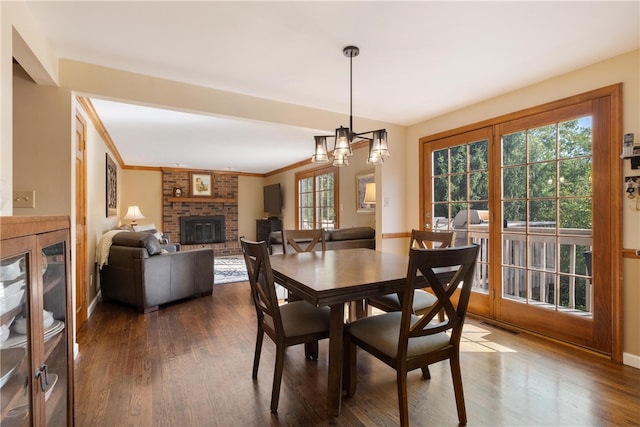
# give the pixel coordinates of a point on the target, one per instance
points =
(200, 184)
(111, 191)
(361, 184)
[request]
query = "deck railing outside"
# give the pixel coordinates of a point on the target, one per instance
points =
(541, 265)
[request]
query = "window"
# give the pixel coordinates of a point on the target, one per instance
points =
(316, 195)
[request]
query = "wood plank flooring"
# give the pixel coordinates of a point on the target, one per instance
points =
(189, 364)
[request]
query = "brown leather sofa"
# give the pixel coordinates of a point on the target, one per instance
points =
(339, 238)
(141, 274)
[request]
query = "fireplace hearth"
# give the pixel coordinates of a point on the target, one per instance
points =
(201, 229)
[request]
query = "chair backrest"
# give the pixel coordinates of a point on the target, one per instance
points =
(426, 264)
(431, 239)
(303, 240)
(263, 291)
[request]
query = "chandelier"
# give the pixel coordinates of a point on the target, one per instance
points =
(344, 137)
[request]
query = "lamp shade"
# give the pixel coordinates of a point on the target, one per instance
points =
(320, 155)
(340, 160)
(370, 193)
(133, 213)
(379, 145)
(343, 145)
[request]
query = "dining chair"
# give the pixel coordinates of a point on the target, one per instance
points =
(406, 341)
(303, 240)
(289, 324)
(422, 300)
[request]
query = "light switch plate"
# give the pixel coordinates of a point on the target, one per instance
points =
(24, 199)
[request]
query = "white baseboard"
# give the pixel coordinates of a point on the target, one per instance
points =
(92, 307)
(631, 360)
(93, 304)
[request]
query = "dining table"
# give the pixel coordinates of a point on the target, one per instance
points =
(333, 278)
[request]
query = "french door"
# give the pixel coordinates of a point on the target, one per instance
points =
(537, 191)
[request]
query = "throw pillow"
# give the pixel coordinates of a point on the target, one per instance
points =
(151, 229)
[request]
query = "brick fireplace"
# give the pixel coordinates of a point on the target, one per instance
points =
(223, 202)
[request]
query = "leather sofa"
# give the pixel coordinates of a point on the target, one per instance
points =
(339, 238)
(141, 274)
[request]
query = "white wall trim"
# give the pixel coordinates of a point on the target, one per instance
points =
(631, 360)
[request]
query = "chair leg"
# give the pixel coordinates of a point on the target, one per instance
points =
(256, 354)
(401, 380)
(457, 388)
(311, 350)
(426, 375)
(277, 377)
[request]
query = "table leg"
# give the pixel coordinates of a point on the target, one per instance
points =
(334, 384)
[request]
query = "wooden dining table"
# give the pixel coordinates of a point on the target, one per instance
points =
(333, 278)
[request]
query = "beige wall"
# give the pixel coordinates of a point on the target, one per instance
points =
(142, 188)
(41, 155)
(624, 68)
(249, 205)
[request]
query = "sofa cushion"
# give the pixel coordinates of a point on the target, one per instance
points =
(139, 239)
(353, 233)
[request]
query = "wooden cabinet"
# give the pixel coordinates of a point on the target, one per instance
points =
(265, 226)
(37, 322)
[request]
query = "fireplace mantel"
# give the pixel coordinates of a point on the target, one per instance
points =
(200, 200)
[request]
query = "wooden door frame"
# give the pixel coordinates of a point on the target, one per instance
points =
(609, 97)
(81, 311)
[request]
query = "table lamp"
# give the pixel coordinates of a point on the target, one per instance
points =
(133, 213)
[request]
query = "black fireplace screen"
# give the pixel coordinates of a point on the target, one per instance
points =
(201, 229)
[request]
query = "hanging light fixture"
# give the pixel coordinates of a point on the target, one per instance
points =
(378, 149)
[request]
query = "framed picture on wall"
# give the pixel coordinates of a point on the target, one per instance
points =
(111, 191)
(200, 184)
(361, 184)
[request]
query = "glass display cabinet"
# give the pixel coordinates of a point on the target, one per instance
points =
(36, 322)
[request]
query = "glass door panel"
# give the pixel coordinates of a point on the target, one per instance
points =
(55, 321)
(458, 197)
(15, 330)
(547, 216)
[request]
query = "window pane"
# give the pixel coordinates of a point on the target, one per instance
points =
(479, 186)
(542, 179)
(574, 138)
(575, 177)
(515, 283)
(514, 212)
(479, 156)
(440, 162)
(514, 182)
(441, 189)
(459, 159)
(513, 149)
(542, 213)
(542, 143)
(576, 213)
(458, 187)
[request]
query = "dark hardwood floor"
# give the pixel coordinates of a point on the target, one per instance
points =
(189, 364)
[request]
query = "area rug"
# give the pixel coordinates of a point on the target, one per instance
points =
(229, 269)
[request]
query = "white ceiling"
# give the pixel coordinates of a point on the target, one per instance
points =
(417, 60)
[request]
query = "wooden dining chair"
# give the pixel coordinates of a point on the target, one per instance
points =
(406, 341)
(303, 240)
(289, 324)
(422, 300)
